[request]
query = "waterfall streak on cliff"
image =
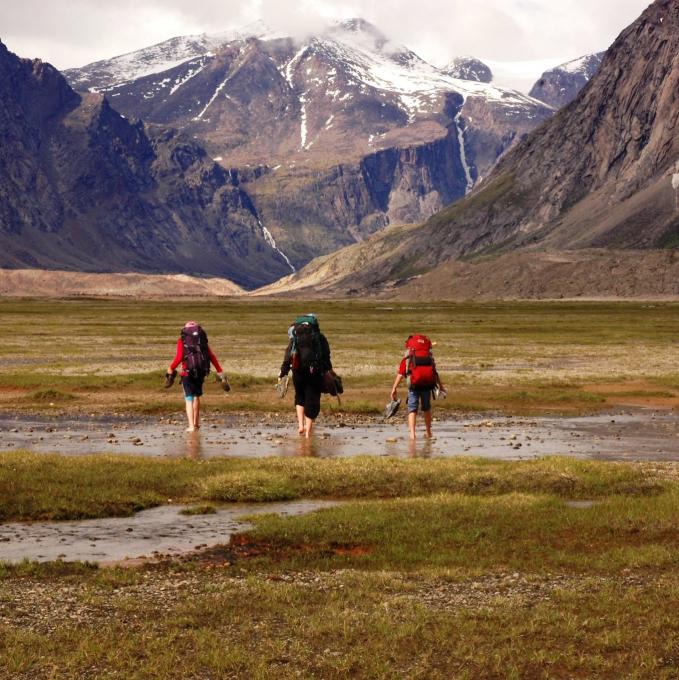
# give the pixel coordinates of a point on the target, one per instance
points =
(463, 153)
(268, 237)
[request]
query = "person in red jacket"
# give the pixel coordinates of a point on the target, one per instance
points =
(418, 396)
(193, 375)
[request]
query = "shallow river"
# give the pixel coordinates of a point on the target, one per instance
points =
(150, 533)
(643, 434)
(638, 435)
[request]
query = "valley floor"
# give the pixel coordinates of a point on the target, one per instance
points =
(432, 568)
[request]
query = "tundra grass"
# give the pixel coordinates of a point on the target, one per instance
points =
(513, 357)
(435, 569)
(472, 534)
(40, 486)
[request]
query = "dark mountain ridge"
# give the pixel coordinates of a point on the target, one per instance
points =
(83, 188)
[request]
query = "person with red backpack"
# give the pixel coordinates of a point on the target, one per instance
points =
(419, 369)
(308, 355)
(195, 356)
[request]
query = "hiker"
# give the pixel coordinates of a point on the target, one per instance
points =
(195, 356)
(308, 355)
(419, 369)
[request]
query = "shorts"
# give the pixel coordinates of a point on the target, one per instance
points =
(308, 392)
(193, 387)
(417, 397)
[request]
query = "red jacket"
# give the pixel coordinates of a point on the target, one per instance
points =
(179, 359)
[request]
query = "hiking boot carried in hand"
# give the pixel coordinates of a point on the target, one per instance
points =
(282, 386)
(391, 409)
(439, 393)
(221, 378)
(169, 379)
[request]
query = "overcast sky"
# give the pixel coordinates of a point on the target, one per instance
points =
(74, 32)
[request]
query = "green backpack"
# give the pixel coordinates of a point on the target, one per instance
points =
(307, 349)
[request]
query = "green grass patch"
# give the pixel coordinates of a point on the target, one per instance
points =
(40, 486)
(517, 357)
(476, 533)
(380, 626)
(50, 395)
(550, 396)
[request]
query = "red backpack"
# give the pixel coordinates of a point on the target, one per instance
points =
(420, 364)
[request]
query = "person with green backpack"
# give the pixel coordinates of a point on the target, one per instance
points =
(308, 355)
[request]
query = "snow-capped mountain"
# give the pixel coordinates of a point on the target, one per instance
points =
(469, 68)
(108, 73)
(336, 135)
(567, 210)
(559, 86)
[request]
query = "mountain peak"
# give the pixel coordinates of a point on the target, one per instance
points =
(469, 68)
(357, 30)
(359, 25)
(560, 85)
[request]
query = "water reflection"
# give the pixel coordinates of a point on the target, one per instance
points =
(307, 448)
(194, 445)
(420, 448)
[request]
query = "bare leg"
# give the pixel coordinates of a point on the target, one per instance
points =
(412, 421)
(189, 415)
(300, 419)
(196, 412)
(427, 423)
(308, 427)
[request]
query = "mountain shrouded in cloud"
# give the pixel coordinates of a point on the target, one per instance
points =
(334, 136)
(601, 174)
(559, 86)
(68, 33)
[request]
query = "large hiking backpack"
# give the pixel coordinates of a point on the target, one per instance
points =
(195, 355)
(420, 364)
(307, 349)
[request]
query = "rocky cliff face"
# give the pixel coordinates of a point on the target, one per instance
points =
(561, 85)
(314, 116)
(601, 173)
(83, 188)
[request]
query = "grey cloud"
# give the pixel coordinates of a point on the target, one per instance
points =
(72, 32)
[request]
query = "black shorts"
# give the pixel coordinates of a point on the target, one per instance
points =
(308, 392)
(193, 387)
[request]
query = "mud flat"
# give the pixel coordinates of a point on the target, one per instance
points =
(632, 435)
(162, 531)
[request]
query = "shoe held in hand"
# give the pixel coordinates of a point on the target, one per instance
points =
(221, 378)
(391, 408)
(282, 386)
